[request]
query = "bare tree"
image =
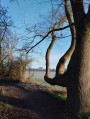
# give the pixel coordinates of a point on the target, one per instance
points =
(57, 25)
(76, 78)
(5, 22)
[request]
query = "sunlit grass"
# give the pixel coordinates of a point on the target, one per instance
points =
(83, 116)
(54, 91)
(41, 82)
(60, 97)
(5, 92)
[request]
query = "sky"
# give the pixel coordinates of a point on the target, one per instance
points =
(30, 11)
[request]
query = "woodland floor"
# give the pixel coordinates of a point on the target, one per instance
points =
(28, 101)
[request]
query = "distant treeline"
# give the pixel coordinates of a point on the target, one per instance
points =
(42, 70)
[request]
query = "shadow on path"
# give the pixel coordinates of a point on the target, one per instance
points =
(35, 100)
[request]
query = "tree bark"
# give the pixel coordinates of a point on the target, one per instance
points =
(78, 88)
(61, 78)
(57, 25)
(22, 72)
(61, 64)
(78, 11)
(0, 55)
(78, 72)
(48, 54)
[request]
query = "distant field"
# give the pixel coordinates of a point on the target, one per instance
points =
(38, 78)
(40, 74)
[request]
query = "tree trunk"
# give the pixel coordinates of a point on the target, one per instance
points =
(61, 64)
(24, 74)
(0, 53)
(78, 72)
(78, 89)
(48, 53)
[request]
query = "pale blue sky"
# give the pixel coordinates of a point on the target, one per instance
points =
(29, 10)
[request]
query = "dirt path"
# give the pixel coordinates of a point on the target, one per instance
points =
(28, 102)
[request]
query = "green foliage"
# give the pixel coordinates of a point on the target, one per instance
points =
(84, 116)
(9, 73)
(14, 70)
(59, 97)
(7, 106)
(3, 91)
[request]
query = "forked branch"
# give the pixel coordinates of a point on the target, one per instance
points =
(61, 77)
(59, 80)
(61, 64)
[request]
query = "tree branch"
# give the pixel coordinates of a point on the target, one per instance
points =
(61, 64)
(61, 77)
(59, 80)
(48, 34)
(48, 53)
